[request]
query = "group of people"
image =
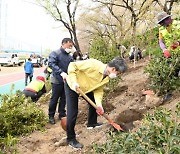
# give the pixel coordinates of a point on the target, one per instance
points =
(134, 53)
(71, 72)
(89, 75)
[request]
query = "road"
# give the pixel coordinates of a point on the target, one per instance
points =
(17, 78)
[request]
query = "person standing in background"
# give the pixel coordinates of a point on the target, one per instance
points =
(169, 40)
(29, 70)
(58, 62)
(169, 33)
(122, 49)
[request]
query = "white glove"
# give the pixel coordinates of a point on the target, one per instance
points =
(75, 86)
(64, 75)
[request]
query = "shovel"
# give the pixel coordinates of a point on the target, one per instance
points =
(95, 106)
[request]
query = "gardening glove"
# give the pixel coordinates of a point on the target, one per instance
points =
(167, 54)
(64, 75)
(75, 86)
(100, 110)
(174, 45)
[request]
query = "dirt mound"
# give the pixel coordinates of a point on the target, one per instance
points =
(126, 106)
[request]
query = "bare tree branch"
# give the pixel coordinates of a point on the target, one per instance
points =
(52, 8)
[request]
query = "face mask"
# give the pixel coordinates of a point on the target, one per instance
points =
(77, 58)
(68, 50)
(71, 54)
(167, 22)
(112, 75)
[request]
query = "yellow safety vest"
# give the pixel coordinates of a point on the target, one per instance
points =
(170, 34)
(35, 85)
(49, 69)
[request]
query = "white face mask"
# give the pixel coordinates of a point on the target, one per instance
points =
(68, 50)
(77, 58)
(112, 75)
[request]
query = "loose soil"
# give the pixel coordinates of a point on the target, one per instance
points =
(125, 105)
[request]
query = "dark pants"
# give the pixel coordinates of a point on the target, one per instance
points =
(72, 111)
(139, 56)
(28, 75)
(34, 95)
(58, 93)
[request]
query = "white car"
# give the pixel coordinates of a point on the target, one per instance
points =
(10, 59)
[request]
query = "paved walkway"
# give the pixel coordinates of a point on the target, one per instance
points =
(16, 79)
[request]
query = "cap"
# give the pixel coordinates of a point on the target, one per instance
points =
(161, 16)
(40, 78)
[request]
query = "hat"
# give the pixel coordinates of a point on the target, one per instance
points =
(40, 78)
(161, 16)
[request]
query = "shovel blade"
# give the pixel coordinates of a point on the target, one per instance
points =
(117, 126)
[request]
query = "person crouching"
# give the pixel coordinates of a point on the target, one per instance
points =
(35, 89)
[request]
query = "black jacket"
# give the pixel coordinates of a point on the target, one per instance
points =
(58, 62)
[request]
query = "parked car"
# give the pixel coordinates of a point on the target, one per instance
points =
(10, 59)
(37, 60)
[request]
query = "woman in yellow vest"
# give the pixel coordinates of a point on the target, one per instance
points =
(169, 33)
(35, 88)
(169, 39)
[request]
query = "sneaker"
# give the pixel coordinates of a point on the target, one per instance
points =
(52, 120)
(75, 144)
(91, 126)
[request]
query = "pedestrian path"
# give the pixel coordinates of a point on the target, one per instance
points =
(18, 85)
(16, 79)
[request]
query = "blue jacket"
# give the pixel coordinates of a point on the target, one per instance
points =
(58, 62)
(28, 67)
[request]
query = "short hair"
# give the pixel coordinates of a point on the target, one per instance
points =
(66, 40)
(119, 64)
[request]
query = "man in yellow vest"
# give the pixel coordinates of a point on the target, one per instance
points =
(90, 76)
(35, 88)
(169, 33)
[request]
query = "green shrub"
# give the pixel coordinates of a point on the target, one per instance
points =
(163, 73)
(8, 144)
(18, 116)
(154, 52)
(147, 41)
(159, 133)
(102, 50)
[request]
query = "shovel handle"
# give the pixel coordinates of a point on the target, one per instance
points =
(87, 98)
(95, 106)
(92, 103)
